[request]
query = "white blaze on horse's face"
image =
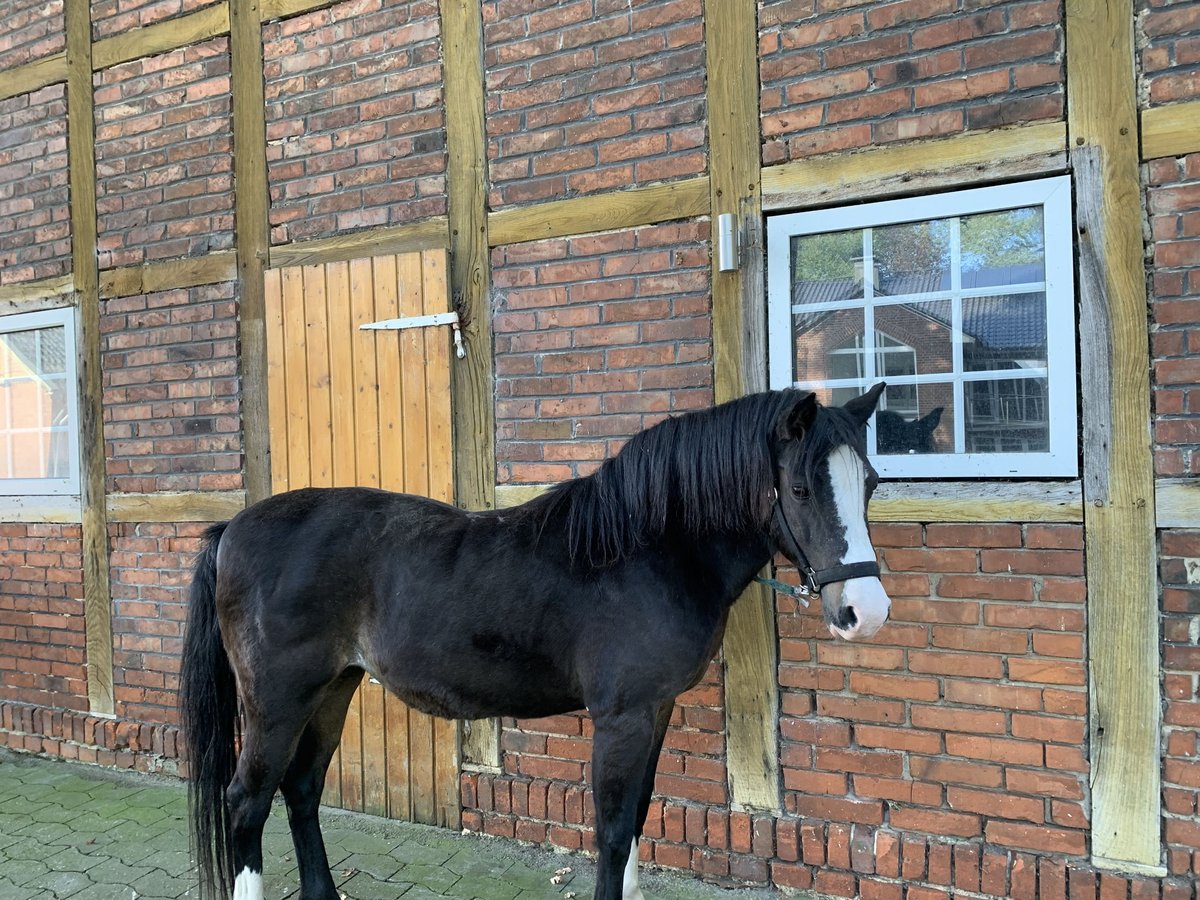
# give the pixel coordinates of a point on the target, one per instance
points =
(865, 596)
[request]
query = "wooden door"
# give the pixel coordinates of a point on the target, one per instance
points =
(369, 408)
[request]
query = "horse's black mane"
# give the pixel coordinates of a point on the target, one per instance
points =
(704, 471)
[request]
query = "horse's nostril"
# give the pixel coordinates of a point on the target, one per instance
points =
(849, 617)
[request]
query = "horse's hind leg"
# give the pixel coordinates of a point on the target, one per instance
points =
(305, 779)
(272, 728)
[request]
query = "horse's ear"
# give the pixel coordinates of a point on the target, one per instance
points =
(795, 420)
(862, 407)
(930, 422)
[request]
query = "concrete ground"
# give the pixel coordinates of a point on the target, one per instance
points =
(76, 831)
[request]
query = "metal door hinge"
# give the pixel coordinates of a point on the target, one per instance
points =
(446, 318)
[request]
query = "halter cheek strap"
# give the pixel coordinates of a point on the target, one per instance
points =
(812, 580)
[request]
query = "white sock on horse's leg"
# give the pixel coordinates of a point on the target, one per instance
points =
(630, 889)
(248, 885)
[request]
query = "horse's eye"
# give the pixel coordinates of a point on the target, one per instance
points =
(800, 492)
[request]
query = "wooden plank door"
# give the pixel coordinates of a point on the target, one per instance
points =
(370, 408)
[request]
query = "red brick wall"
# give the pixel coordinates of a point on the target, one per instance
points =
(32, 29)
(545, 792)
(965, 718)
(35, 241)
(948, 755)
(170, 375)
(1169, 33)
(114, 17)
(837, 76)
(1180, 569)
(164, 164)
(41, 615)
(597, 337)
(592, 95)
(1173, 198)
(355, 122)
(151, 571)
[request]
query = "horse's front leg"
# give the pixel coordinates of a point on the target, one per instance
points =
(621, 752)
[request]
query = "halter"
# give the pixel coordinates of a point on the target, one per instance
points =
(812, 580)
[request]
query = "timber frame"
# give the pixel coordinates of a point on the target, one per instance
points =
(1098, 143)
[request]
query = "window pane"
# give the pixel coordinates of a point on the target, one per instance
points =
(1007, 416)
(912, 258)
(914, 338)
(915, 419)
(1004, 332)
(34, 402)
(827, 267)
(52, 351)
(828, 345)
(1003, 248)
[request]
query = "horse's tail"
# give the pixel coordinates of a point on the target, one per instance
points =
(208, 707)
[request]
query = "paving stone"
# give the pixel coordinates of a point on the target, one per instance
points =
(159, 884)
(10, 891)
(62, 884)
(483, 887)
(174, 862)
(376, 865)
(47, 832)
(434, 877)
(22, 871)
(71, 860)
(114, 871)
(124, 834)
(359, 842)
(365, 887)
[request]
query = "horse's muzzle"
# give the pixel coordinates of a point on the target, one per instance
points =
(861, 609)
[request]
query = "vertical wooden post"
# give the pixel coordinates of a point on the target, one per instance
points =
(251, 205)
(739, 357)
(473, 378)
(81, 142)
(1118, 476)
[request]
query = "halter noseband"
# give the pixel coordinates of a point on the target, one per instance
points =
(812, 580)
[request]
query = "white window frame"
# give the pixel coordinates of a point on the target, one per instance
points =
(63, 317)
(1054, 196)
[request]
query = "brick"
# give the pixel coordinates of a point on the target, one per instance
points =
(938, 822)
(1038, 838)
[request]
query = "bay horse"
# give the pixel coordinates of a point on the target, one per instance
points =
(609, 592)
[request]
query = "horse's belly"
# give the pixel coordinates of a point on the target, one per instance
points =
(478, 682)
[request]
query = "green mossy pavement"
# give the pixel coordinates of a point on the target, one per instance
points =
(69, 830)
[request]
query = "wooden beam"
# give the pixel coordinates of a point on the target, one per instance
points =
(170, 506)
(169, 275)
(608, 211)
(969, 159)
(1177, 502)
(161, 37)
(977, 501)
(428, 234)
(81, 139)
(948, 501)
(32, 296)
(56, 509)
(33, 76)
(282, 9)
(473, 378)
(510, 495)
(1118, 488)
(1171, 130)
(251, 207)
(739, 349)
